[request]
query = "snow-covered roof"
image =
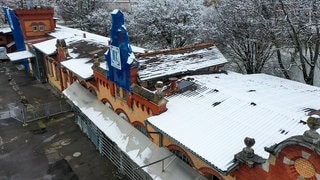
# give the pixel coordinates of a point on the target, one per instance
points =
(81, 67)
(47, 47)
(71, 35)
(130, 140)
(213, 120)
(81, 48)
(5, 29)
(178, 61)
(16, 56)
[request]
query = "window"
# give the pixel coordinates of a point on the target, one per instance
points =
(124, 116)
(124, 94)
(117, 91)
(211, 177)
(41, 27)
(181, 156)
(108, 105)
(34, 27)
(142, 129)
(57, 73)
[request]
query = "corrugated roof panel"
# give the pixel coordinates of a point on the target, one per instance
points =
(168, 64)
(130, 140)
(266, 108)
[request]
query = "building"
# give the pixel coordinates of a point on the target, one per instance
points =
(36, 22)
(124, 105)
(210, 116)
(29, 26)
(6, 41)
(176, 114)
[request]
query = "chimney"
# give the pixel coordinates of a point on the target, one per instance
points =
(159, 94)
(173, 84)
(96, 62)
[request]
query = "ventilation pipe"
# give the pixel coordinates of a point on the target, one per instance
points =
(173, 84)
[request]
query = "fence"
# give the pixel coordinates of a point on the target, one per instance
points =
(30, 112)
(110, 150)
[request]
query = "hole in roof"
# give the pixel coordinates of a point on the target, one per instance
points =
(314, 112)
(282, 131)
(302, 122)
(253, 104)
(216, 104)
(308, 109)
(213, 91)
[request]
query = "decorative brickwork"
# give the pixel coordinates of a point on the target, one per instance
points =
(304, 168)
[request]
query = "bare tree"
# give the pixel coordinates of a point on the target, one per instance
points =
(88, 15)
(165, 23)
(301, 18)
(245, 33)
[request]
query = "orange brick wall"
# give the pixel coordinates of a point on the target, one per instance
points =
(27, 17)
(282, 166)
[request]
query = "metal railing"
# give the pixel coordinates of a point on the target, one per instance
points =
(110, 150)
(31, 112)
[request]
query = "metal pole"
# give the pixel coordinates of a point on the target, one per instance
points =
(160, 160)
(23, 118)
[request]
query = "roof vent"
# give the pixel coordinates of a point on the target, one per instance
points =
(173, 83)
(253, 104)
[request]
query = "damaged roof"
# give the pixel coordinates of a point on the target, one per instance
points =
(213, 117)
(81, 48)
(178, 61)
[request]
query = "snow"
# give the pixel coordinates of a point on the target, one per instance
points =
(169, 64)
(47, 47)
(5, 29)
(16, 56)
(259, 106)
(131, 58)
(72, 36)
(81, 67)
(115, 11)
(130, 140)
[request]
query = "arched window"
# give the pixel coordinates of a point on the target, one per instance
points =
(181, 154)
(138, 125)
(122, 114)
(93, 91)
(210, 173)
(107, 103)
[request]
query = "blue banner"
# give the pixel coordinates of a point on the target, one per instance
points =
(117, 57)
(17, 33)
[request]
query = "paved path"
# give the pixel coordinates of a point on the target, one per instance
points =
(44, 149)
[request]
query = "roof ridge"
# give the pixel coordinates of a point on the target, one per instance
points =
(176, 50)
